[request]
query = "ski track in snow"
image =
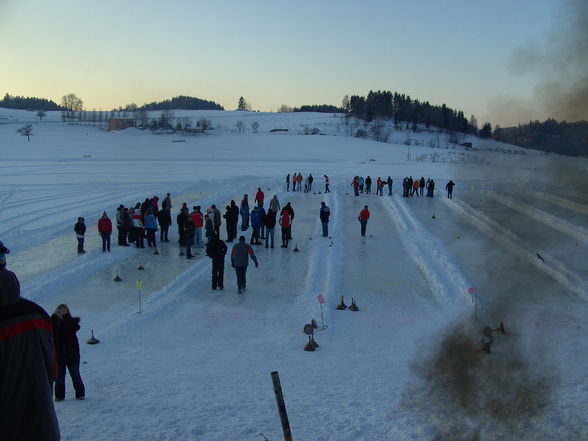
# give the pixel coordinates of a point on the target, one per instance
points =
(555, 222)
(447, 283)
(556, 200)
(550, 265)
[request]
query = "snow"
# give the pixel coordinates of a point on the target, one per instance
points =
(195, 363)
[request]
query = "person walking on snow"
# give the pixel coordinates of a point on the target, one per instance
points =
(449, 188)
(286, 224)
(80, 230)
(355, 185)
(288, 182)
(327, 190)
(324, 214)
(363, 217)
(105, 230)
(255, 226)
(244, 211)
(240, 255)
(275, 204)
(389, 182)
(216, 250)
(290, 210)
(67, 350)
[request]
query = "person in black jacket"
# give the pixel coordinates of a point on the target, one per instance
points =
(181, 220)
(26, 364)
(164, 219)
(216, 250)
(270, 224)
(80, 229)
(324, 214)
(67, 349)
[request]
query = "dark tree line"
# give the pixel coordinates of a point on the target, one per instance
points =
(28, 103)
(180, 102)
(551, 136)
(402, 108)
(321, 108)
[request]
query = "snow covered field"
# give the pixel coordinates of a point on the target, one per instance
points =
(195, 364)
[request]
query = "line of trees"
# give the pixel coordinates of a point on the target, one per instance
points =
(178, 102)
(550, 136)
(28, 103)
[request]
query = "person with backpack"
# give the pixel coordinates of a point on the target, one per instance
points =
(363, 217)
(216, 250)
(324, 214)
(240, 255)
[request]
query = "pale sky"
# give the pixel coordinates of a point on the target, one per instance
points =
(272, 52)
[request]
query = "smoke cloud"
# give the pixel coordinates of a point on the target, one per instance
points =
(560, 64)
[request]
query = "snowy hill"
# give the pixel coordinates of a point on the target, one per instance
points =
(195, 363)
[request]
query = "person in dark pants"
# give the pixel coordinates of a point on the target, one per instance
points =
(363, 217)
(27, 367)
(270, 224)
(164, 220)
(389, 182)
(105, 230)
(181, 219)
(324, 214)
(240, 255)
(449, 188)
(67, 349)
(286, 224)
(216, 250)
(80, 229)
(189, 233)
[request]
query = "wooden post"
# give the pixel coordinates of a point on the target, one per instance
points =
(281, 406)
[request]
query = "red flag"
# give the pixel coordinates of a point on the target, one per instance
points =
(321, 299)
(473, 290)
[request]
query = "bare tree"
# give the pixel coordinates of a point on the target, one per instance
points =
(255, 126)
(41, 114)
(72, 104)
(240, 126)
(26, 130)
(204, 124)
(284, 108)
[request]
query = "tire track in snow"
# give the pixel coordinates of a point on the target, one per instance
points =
(546, 263)
(447, 283)
(555, 222)
(564, 203)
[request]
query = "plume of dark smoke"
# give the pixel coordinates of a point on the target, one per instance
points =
(560, 64)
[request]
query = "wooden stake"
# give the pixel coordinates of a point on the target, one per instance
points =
(281, 406)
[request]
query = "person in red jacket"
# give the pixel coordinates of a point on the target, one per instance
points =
(198, 221)
(363, 217)
(259, 196)
(286, 224)
(27, 367)
(105, 230)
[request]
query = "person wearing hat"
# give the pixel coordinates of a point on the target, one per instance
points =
(240, 255)
(26, 365)
(80, 229)
(105, 230)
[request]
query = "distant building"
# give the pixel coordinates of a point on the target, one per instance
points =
(120, 123)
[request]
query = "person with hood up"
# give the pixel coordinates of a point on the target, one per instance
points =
(27, 365)
(105, 230)
(80, 230)
(216, 250)
(244, 211)
(67, 349)
(274, 204)
(240, 255)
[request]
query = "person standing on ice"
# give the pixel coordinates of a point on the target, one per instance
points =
(355, 185)
(275, 204)
(255, 218)
(164, 220)
(150, 227)
(327, 190)
(379, 187)
(270, 224)
(27, 364)
(324, 214)
(389, 182)
(421, 185)
(240, 255)
(294, 180)
(216, 250)
(310, 181)
(189, 233)
(288, 182)
(80, 230)
(208, 227)
(449, 188)
(259, 197)
(67, 349)
(290, 210)
(286, 224)
(363, 217)
(198, 221)
(167, 204)
(181, 219)
(299, 180)
(244, 211)
(105, 230)
(368, 185)
(216, 219)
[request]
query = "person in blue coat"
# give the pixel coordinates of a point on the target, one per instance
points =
(151, 226)
(255, 225)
